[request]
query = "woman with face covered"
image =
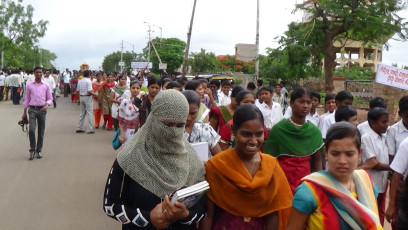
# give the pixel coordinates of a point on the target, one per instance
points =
(155, 162)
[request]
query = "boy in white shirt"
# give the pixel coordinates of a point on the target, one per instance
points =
(224, 97)
(375, 102)
(398, 131)
(271, 111)
(343, 98)
(375, 154)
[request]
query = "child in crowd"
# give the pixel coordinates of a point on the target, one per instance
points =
(375, 154)
(375, 102)
(343, 98)
(277, 96)
(129, 113)
(398, 131)
(174, 85)
(346, 113)
(313, 116)
(272, 111)
(329, 107)
(397, 142)
(224, 96)
(215, 87)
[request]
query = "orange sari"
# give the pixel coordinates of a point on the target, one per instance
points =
(234, 190)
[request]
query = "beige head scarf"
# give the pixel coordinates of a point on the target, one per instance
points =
(157, 156)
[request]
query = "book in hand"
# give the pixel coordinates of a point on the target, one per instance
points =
(189, 196)
(202, 150)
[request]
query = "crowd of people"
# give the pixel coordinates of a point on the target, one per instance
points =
(273, 162)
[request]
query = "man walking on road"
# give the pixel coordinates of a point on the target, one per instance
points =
(85, 98)
(67, 78)
(38, 98)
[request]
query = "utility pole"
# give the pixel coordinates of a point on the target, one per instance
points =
(257, 42)
(185, 63)
(121, 58)
(149, 31)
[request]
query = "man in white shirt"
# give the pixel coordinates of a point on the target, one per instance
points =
(51, 82)
(343, 98)
(271, 111)
(15, 83)
(224, 97)
(86, 93)
(67, 78)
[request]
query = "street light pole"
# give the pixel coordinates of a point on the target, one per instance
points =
(257, 42)
(121, 58)
(185, 63)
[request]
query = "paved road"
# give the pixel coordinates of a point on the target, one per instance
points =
(64, 189)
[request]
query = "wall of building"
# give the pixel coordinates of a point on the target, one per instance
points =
(245, 52)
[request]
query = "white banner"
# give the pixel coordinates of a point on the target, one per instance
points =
(141, 65)
(392, 76)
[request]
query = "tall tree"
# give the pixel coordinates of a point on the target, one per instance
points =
(202, 62)
(17, 26)
(170, 50)
(371, 22)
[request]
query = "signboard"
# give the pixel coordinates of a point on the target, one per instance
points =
(141, 65)
(392, 76)
(163, 66)
(121, 63)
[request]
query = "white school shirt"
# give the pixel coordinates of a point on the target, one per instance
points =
(288, 112)
(374, 145)
(315, 118)
(224, 99)
(400, 162)
(271, 115)
(363, 128)
(395, 135)
(327, 122)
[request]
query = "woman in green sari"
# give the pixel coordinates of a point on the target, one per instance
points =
(296, 142)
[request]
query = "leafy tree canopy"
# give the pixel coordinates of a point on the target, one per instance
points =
(203, 62)
(170, 50)
(372, 22)
(19, 34)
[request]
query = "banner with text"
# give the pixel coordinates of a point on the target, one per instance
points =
(141, 65)
(392, 76)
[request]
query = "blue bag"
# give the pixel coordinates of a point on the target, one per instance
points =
(115, 140)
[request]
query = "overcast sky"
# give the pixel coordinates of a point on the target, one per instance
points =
(87, 30)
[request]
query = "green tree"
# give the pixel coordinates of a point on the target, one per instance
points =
(170, 50)
(111, 61)
(203, 62)
(371, 22)
(17, 26)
